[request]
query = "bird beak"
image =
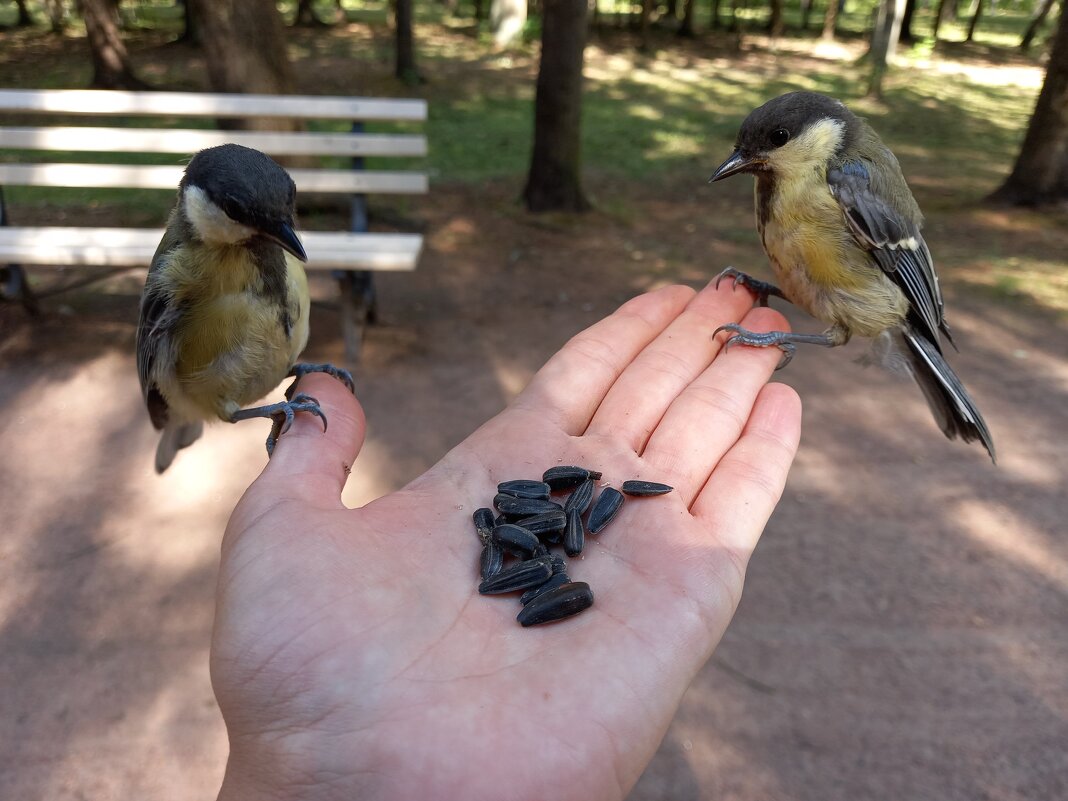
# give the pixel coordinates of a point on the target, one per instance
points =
(286, 237)
(738, 162)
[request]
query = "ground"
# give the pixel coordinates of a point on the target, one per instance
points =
(902, 630)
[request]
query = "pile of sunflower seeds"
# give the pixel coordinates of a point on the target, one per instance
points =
(528, 522)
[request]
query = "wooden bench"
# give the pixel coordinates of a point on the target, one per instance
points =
(30, 155)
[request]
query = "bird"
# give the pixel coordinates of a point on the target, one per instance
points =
(842, 231)
(224, 310)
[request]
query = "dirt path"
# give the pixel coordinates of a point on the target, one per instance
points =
(904, 630)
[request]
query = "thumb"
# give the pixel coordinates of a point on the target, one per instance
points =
(314, 464)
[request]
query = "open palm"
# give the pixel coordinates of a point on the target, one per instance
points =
(353, 656)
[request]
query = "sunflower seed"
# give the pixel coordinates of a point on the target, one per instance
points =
(554, 581)
(545, 523)
(608, 505)
(559, 563)
(522, 576)
(574, 535)
(524, 507)
(524, 488)
(484, 523)
(516, 540)
(491, 562)
(581, 498)
(641, 489)
(564, 601)
(567, 476)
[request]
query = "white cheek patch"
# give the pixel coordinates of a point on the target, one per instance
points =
(816, 144)
(210, 222)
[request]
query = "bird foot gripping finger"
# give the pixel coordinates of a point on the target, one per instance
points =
(782, 340)
(301, 369)
(762, 289)
(282, 414)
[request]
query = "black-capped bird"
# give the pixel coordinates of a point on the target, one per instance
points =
(842, 231)
(224, 312)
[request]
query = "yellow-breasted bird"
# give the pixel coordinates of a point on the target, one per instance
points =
(842, 231)
(224, 312)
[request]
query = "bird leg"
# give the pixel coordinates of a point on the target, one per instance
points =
(785, 341)
(762, 289)
(301, 369)
(282, 415)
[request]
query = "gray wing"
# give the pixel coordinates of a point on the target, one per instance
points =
(895, 243)
(157, 319)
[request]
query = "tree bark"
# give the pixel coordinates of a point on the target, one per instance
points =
(24, 18)
(975, 21)
(775, 23)
(404, 63)
(507, 18)
(906, 36)
(884, 42)
(554, 182)
(830, 21)
(1036, 22)
(111, 63)
(306, 16)
(686, 29)
(646, 18)
(1040, 175)
(944, 6)
(245, 50)
(57, 15)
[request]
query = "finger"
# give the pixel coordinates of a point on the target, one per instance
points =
(742, 491)
(311, 463)
(637, 401)
(571, 385)
(707, 418)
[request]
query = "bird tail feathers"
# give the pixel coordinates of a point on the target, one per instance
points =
(175, 437)
(953, 409)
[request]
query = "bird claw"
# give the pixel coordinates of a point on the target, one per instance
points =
(282, 414)
(778, 339)
(762, 289)
(301, 369)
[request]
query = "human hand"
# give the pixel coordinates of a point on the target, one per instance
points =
(352, 655)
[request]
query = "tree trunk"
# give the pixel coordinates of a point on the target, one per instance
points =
(975, 21)
(480, 10)
(404, 65)
(111, 63)
(306, 16)
(507, 18)
(686, 26)
(245, 50)
(646, 18)
(554, 182)
(775, 24)
(806, 13)
(906, 37)
(24, 18)
(1036, 22)
(57, 15)
(190, 24)
(884, 42)
(940, 16)
(830, 20)
(715, 24)
(1040, 175)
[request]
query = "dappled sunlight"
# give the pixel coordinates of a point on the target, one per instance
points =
(998, 527)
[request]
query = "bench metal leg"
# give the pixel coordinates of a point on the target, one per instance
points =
(359, 307)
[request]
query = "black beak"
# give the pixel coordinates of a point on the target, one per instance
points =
(285, 236)
(738, 162)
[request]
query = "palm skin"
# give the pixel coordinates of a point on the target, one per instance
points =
(352, 656)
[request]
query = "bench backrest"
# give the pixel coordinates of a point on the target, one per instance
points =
(171, 107)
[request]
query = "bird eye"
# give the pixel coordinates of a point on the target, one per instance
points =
(779, 137)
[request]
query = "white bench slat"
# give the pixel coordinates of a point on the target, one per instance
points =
(196, 104)
(162, 140)
(140, 176)
(134, 247)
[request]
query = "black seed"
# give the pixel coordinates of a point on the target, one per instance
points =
(547, 523)
(608, 504)
(554, 581)
(524, 488)
(500, 520)
(524, 507)
(484, 523)
(559, 563)
(641, 489)
(516, 540)
(595, 475)
(564, 601)
(565, 476)
(522, 576)
(574, 535)
(492, 561)
(581, 498)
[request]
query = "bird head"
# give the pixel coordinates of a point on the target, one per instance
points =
(789, 134)
(231, 194)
